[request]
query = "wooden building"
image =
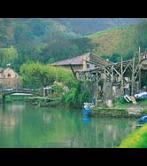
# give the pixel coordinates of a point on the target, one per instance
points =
(113, 80)
(82, 62)
(109, 80)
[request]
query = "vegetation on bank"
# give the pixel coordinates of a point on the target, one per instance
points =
(37, 75)
(136, 140)
(121, 103)
(107, 112)
(64, 84)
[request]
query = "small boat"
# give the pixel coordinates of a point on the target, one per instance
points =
(87, 109)
(143, 119)
(141, 96)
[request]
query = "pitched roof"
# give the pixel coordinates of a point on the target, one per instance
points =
(79, 60)
(74, 61)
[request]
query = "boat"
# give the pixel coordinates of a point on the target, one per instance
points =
(87, 109)
(141, 96)
(143, 119)
(130, 99)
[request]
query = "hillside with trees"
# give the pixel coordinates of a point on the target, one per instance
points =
(47, 40)
(39, 39)
(86, 26)
(123, 41)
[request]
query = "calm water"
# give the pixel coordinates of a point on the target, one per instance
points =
(22, 125)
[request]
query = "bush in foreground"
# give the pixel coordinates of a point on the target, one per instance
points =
(138, 139)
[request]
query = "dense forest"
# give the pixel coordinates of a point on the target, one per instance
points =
(43, 40)
(47, 40)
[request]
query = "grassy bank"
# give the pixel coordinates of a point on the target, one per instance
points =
(113, 112)
(16, 98)
(121, 108)
(121, 103)
(138, 139)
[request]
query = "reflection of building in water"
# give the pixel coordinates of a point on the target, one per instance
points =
(11, 119)
(17, 108)
(7, 122)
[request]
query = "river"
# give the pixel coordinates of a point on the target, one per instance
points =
(23, 125)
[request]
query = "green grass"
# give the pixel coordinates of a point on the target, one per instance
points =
(120, 40)
(16, 98)
(121, 103)
(138, 139)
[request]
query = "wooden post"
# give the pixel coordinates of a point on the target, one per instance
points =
(112, 80)
(104, 85)
(84, 63)
(122, 82)
(97, 85)
(73, 71)
(133, 81)
(139, 58)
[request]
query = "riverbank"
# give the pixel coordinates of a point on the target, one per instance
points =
(120, 108)
(114, 112)
(34, 100)
(136, 140)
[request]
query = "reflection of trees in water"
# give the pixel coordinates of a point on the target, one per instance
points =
(103, 133)
(39, 127)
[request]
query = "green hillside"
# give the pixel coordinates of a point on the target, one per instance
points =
(120, 41)
(38, 39)
(86, 26)
(47, 40)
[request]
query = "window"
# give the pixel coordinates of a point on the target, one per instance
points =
(9, 75)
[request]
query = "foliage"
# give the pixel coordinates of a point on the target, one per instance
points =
(8, 55)
(121, 103)
(76, 96)
(50, 40)
(38, 39)
(36, 75)
(91, 25)
(119, 41)
(136, 140)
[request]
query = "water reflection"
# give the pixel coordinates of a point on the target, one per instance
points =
(86, 119)
(22, 125)
(10, 117)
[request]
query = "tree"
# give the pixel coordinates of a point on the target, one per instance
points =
(8, 55)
